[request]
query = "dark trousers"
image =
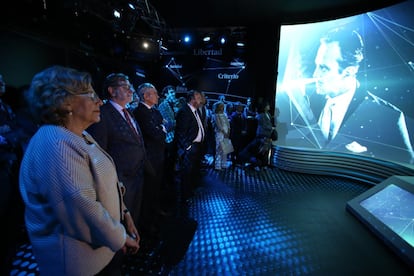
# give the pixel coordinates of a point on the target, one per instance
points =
(134, 185)
(253, 154)
(149, 220)
(188, 173)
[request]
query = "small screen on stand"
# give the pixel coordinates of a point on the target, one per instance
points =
(394, 207)
(387, 209)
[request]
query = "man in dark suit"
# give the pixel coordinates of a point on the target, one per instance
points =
(205, 117)
(119, 135)
(189, 135)
(341, 116)
(153, 130)
(237, 132)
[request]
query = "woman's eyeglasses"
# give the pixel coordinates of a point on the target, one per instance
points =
(91, 94)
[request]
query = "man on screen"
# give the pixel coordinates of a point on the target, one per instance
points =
(346, 117)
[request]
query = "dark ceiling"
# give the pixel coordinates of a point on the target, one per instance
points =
(91, 23)
(190, 13)
(89, 27)
(155, 17)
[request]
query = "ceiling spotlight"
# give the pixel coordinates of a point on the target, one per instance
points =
(117, 14)
(187, 39)
(240, 44)
(222, 40)
(145, 45)
(206, 39)
(139, 74)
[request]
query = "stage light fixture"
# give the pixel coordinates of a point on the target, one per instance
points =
(139, 74)
(206, 38)
(222, 40)
(117, 14)
(187, 39)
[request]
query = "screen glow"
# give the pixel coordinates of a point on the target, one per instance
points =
(377, 119)
(394, 207)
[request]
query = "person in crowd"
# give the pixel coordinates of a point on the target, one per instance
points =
(10, 133)
(7, 123)
(229, 109)
(202, 111)
(11, 150)
(221, 126)
(23, 117)
(189, 134)
(135, 101)
(249, 110)
(6, 113)
(154, 132)
(222, 98)
(345, 117)
(74, 211)
(256, 153)
(181, 101)
(167, 108)
(265, 125)
(238, 132)
(205, 116)
(120, 135)
(210, 143)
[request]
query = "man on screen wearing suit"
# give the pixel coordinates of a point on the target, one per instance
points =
(346, 118)
(189, 135)
(120, 136)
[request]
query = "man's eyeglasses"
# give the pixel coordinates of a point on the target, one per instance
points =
(90, 94)
(126, 87)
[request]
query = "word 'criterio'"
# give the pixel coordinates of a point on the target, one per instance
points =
(224, 76)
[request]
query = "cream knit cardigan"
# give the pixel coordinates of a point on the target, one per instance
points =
(73, 202)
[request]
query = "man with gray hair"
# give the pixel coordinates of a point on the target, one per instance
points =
(119, 135)
(151, 122)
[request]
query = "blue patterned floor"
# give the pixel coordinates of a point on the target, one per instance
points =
(268, 222)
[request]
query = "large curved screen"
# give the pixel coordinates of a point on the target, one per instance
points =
(347, 85)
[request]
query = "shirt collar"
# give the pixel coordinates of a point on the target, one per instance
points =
(149, 107)
(117, 106)
(192, 107)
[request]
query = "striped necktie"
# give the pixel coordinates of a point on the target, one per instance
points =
(128, 119)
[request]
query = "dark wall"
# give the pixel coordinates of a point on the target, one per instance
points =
(24, 55)
(262, 59)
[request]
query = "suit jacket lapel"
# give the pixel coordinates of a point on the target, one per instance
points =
(120, 121)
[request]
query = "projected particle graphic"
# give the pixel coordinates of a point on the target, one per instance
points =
(395, 208)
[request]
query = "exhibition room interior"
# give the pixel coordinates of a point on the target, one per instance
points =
(339, 205)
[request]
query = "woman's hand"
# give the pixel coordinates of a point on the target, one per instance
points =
(131, 246)
(130, 227)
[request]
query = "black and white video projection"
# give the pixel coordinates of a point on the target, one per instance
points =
(347, 85)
